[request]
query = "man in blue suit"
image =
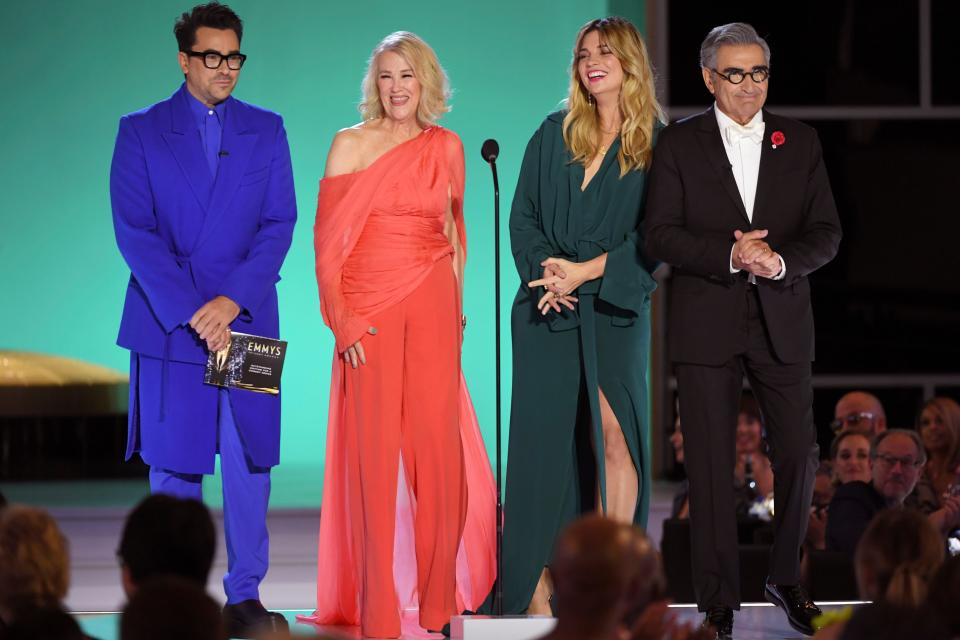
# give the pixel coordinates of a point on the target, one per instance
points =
(204, 210)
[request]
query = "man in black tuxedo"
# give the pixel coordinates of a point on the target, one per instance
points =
(740, 206)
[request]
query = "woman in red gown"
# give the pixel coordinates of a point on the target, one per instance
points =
(407, 518)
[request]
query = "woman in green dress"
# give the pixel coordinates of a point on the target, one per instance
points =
(581, 319)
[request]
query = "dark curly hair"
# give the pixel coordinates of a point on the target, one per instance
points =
(213, 15)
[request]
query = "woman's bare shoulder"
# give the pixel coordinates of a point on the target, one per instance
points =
(348, 149)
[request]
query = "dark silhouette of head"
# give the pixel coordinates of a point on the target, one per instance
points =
(605, 573)
(171, 607)
(164, 535)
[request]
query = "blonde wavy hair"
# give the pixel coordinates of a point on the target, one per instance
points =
(34, 558)
(434, 85)
(639, 109)
(949, 412)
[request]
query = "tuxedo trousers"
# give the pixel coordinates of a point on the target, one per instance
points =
(709, 406)
(246, 493)
(403, 404)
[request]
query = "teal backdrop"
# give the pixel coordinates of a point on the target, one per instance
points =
(71, 69)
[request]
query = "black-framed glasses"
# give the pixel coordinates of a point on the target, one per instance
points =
(213, 59)
(854, 420)
(907, 462)
(736, 76)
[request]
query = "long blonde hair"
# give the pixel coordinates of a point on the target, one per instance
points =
(639, 108)
(434, 86)
(949, 412)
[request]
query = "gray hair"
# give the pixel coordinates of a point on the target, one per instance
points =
(735, 33)
(909, 433)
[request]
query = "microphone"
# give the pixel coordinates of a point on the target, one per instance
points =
(223, 153)
(490, 150)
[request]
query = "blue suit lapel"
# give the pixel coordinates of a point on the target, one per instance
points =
(184, 142)
(238, 142)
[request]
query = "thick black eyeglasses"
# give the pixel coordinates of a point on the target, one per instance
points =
(735, 76)
(213, 59)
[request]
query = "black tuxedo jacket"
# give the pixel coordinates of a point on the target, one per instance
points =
(693, 208)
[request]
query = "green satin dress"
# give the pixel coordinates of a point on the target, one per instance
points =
(555, 456)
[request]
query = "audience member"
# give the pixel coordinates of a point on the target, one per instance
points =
(681, 503)
(606, 575)
(884, 621)
(44, 623)
(897, 557)
(165, 535)
(34, 562)
(590, 579)
(859, 411)
(171, 607)
(895, 561)
(939, 427)
(850, 453)
(823, 490)
(942, 595)
(897, 455)
(751, 456)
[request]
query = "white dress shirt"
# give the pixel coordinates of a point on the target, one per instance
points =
(743, 144)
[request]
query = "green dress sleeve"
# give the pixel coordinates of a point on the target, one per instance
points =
(627, 282)
(530, 247)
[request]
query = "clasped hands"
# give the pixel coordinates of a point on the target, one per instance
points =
(560, 279)
(212, 322)
(750, 253)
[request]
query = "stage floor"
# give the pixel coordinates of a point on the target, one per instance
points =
(290, 585)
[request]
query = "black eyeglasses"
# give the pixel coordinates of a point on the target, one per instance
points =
(907, 462)
(213, 59)
(736, 76)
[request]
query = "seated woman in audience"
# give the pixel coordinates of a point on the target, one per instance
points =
(849, 462)
(939, 428)
(752, 457)
(895, 560)
(850, 453)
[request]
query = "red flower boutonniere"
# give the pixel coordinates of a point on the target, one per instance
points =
(777, 138)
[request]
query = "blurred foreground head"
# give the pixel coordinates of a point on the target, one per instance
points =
(34, 561)
(604, 573)
(171, 607)
(164, 535)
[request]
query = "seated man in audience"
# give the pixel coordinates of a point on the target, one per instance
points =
(859, 411)
(897, 456)
(163, 536)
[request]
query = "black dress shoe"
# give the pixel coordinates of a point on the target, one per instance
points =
(249, 619)
(795, 602)
(720, 620)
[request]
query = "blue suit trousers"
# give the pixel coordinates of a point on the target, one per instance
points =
(246, 492)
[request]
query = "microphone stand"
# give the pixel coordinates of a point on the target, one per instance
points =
(490, 152)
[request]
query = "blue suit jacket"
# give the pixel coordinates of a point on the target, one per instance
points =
(188, 238)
